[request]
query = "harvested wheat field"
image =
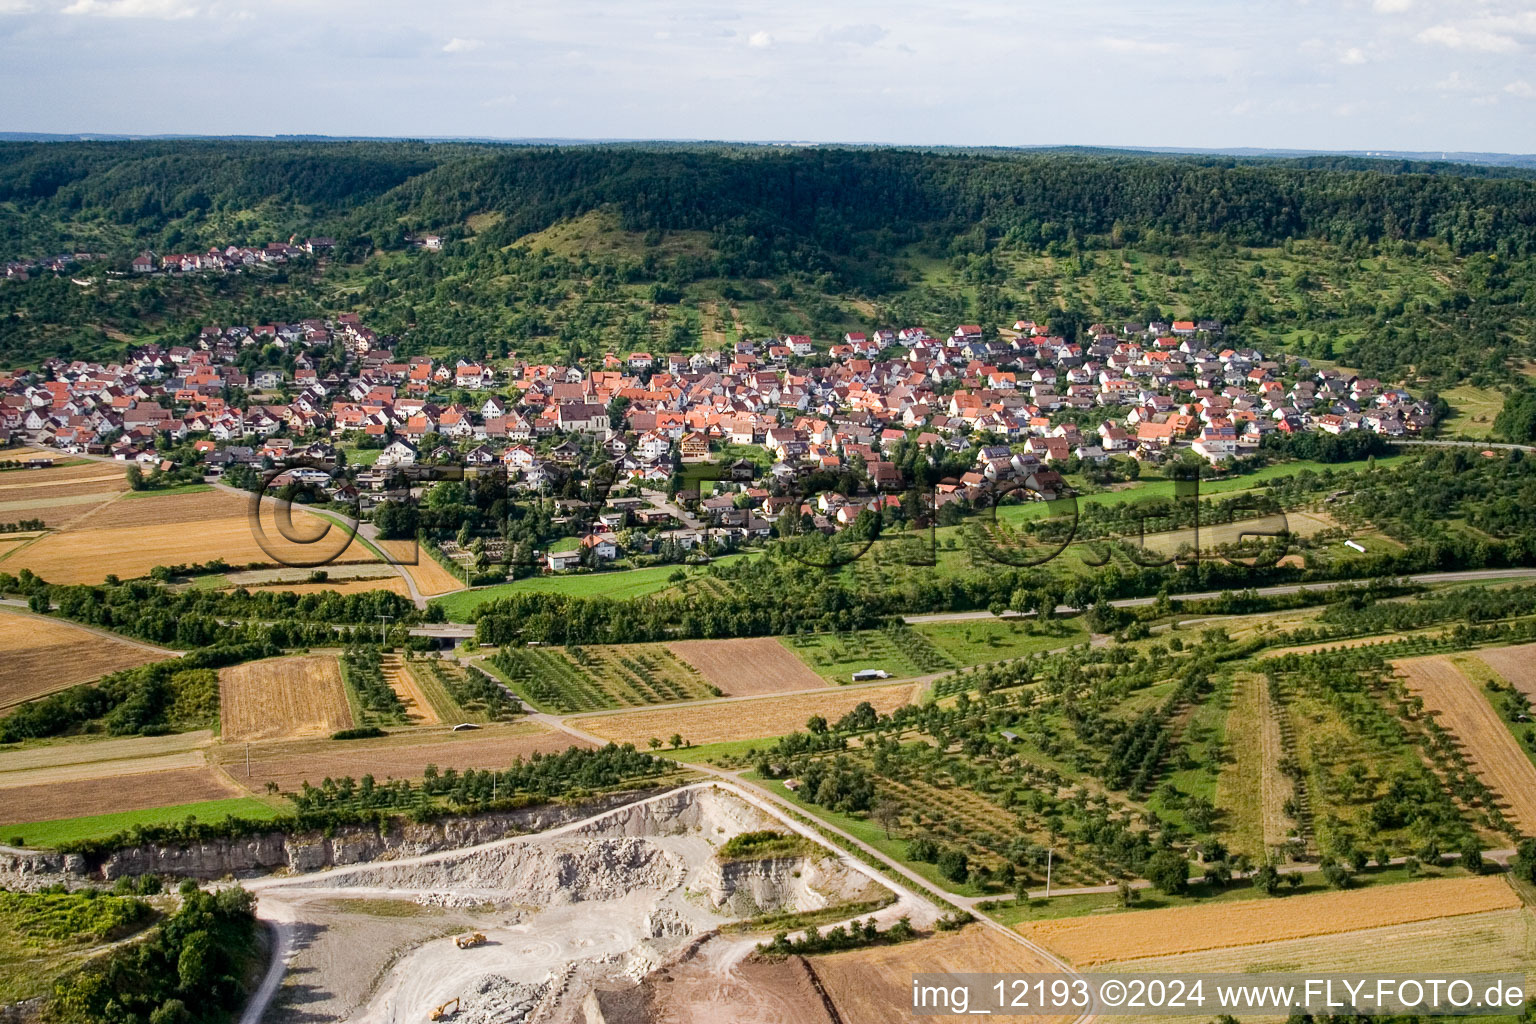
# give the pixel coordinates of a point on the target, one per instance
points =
(283, 698)
(12, 779)
(1138, 934)
(1517, 666)
(874, 986)
(42, 654)
(120, 793)
(418, 710)
(132, 535)
(430, 577)
(1499, 940)
(754, 718)
(93, 750)
(401, 756)
(1342, 645)
(1491, 748)
(42, 484)
(744, 668)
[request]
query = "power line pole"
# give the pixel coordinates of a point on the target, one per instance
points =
(384, 629)
(1050, 855)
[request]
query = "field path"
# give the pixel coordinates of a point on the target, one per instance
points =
(1490, 747)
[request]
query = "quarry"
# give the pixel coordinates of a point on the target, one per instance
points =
(574, 919)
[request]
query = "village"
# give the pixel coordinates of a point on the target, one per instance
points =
(1025, 404)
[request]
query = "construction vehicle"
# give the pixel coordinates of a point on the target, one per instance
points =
(469, 941)
(442, 1012)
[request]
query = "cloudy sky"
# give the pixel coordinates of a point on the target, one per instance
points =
(1324, 74)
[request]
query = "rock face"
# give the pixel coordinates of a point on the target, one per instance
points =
(248, 856)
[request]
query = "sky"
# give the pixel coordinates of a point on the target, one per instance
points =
(1423, 75)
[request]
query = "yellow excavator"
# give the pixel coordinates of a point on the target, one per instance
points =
(469, 941)
(442, 1012)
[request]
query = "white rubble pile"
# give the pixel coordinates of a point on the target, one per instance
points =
(500, 1000)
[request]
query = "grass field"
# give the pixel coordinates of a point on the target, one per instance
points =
(40, 654)
(1473, 411)
(99, 826)
(899, 650)
(752, 718)
(743, 668)
(45, 935)
(976, 642)
(1491, 748)
(1135, 935)
(573, 679)
(283, 698)
(627, 583)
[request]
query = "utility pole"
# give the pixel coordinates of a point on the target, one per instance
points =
(247, 760)
(1050, 855)
(384, 629)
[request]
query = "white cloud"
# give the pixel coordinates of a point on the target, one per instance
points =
(855, 35)
(1391, 6)
(510, 99)
(1469, 38)
(1453, 82)
(165, 9)
(1116, 44)
(1353, 55)
(760, 40)
(1520, 88)
(15, 6)
(458, 45)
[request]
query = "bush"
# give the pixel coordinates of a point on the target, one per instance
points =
(361, 732)
(1168, 872)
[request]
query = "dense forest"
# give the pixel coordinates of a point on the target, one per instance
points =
(1403, 269)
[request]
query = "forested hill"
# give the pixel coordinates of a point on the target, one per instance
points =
(1423, 273)
(782, 199)
(829, 195)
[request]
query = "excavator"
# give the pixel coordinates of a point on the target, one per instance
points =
(442, 1012)
(469, 941)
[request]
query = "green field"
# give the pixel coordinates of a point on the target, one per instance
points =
(629, 583)
(978, 641)
(901, 651)
(1473, 411)
(600, 676)
(44, 935)
(100, 826)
